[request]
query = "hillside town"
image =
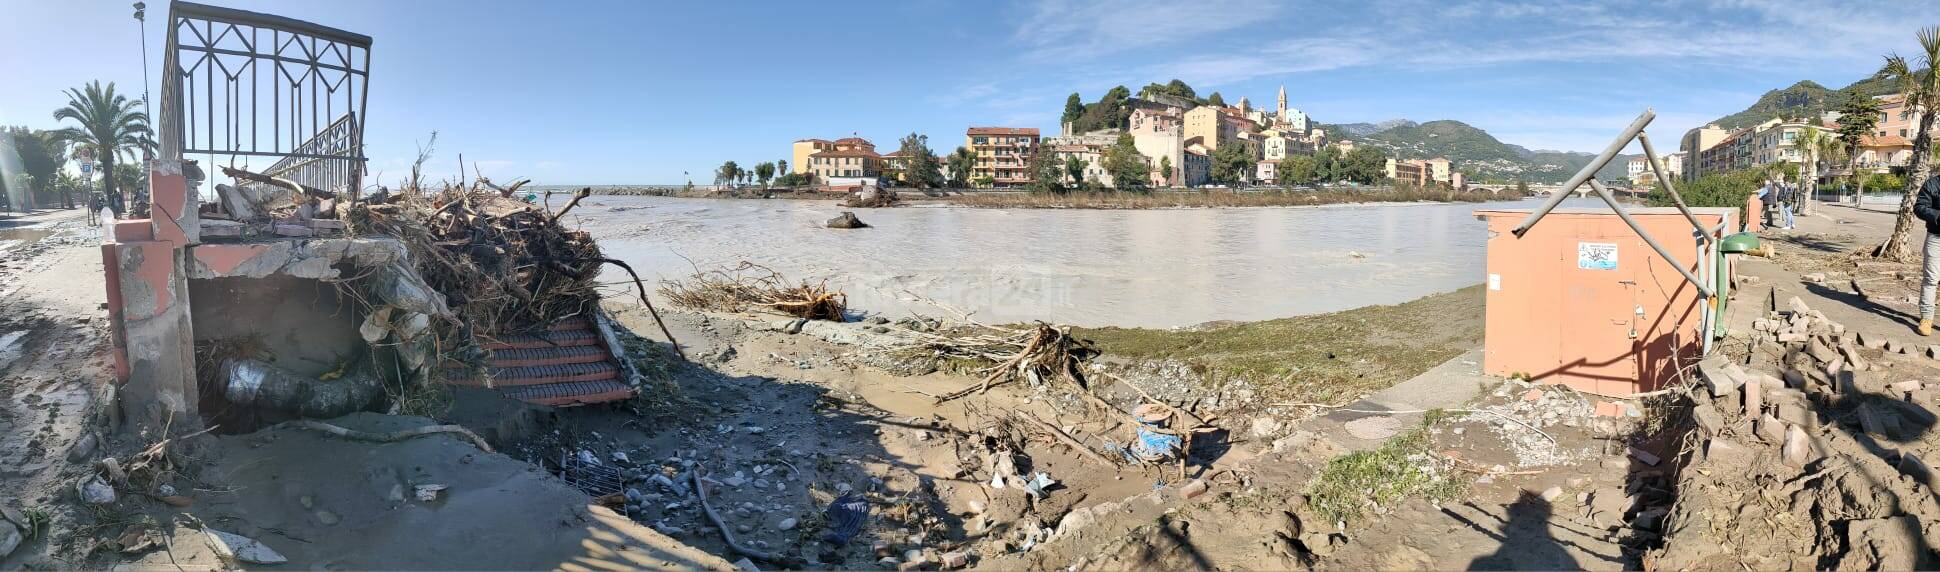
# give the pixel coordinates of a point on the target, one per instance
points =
(1174, 141)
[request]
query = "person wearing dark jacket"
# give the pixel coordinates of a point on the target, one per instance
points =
(1927, 208)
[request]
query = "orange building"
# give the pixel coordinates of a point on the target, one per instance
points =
(1003, 155)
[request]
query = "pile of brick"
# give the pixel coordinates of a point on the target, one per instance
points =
(1820, 460)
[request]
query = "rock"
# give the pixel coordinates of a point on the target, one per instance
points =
(1709, 420)
(328, 518)
(847, 220)
(1265, 427)
(83, 448)
(786, 524)
(1818, 349)
(94, 490)
(1815, 277)
(1552, 493)
(10, 539)
(1725, 454)
(1644, 457)
(1193, 489)
(1320, 544)
(1907, 386)
(794, 326)
(1532, 395)
(1770, 429)
(241, 548)
(1754, 393)
(1374, 427)
(955, 560)
(1652, 519)
(745, 565)
(1932, 352)
(1871, 340)
(1797, 450)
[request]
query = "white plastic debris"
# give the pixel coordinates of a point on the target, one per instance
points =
(241, 548)
(428, 493)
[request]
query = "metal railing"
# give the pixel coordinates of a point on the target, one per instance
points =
(241, 83)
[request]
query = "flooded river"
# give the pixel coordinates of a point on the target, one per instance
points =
(1149, 268)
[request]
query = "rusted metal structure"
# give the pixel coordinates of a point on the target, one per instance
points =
(245, 84)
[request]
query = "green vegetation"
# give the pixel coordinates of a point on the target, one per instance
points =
(763, 172)
(1174, 88)
(41, 154)
(1129, 171)
(1354, 483)
(1113, 111)
(920, 166)
(1075, 169)
(1299, 170)
(1231, 164)
(961, 162)
(1478, 152)
(1713, 190)
(1326, 358)
(1803, 99)
(1215, 100)
(728, 173)
(1365, 165)
(1047, 174)
(110, 126)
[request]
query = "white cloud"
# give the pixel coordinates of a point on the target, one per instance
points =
(1070, 30)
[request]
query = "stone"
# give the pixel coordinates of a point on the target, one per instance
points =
(1194, 488)
(1321, 544)
(1871, 340)
(794, 326)
(1373, 427)
(1770, 429)
(1533, 395)
(847, 220)
(1907, 386)
(10, 539)
(1754, 394)
(786, 524)
(1818, 349)
(1265, 427)
(955, 560)
(1644, 456)
(1723, 453)
(1797, 450)
(1708, 419)
(1652, 519)
(94, 490)
(745, 565)
(83, 448)
(1791, 337)
(1894, 347)
(1815, 277)
(1932, 352)
(328, 518)
(293, 230)
(1552, 493)
(241, 548)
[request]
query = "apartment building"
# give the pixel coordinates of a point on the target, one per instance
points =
(1088, 149)
(798, 160)
(1003, 154)
(1159, 135)
(1198, 165)
(848, 157)
(1412, 172)
(1694, 143)
(1210, 126)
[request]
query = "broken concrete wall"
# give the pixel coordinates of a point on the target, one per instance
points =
(148, 306)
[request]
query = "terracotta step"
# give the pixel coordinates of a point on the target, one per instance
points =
(570, 393)
(532, 357)
(505, 377)
(584, 337)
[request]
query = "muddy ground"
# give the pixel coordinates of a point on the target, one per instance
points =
(777, 420)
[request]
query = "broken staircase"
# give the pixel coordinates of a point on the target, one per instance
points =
(574, 362)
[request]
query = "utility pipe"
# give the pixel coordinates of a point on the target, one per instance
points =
(1588, 173)
(1604, 192)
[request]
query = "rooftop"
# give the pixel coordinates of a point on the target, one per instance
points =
(1032, 131)
(847, 153)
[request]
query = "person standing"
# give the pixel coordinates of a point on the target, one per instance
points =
(94, 209)
(115, 205)
(1787, 200)
(1927, 208)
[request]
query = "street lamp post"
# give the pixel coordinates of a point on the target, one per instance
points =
(141, 23)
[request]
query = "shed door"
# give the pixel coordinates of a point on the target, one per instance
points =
(1597, 342)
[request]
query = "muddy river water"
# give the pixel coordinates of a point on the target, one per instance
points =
(1148, 268)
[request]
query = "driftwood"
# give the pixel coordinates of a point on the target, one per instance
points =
(301, 189)
(392, 437)
(1064, 438)
(649, 304)
(752, 286)
(583, 193)
(727, 532)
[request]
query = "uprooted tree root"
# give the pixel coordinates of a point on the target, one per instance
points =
(751, 286)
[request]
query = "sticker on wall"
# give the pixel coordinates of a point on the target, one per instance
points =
(1495, 281)
(1596, 256)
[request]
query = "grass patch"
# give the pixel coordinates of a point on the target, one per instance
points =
(1216, 198)
(1319, 358)
(1352, 484)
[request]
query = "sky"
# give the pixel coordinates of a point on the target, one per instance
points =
(660, 92)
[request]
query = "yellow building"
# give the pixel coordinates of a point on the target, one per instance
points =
(1003, 154)
(798, 164)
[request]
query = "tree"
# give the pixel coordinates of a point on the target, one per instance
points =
(1074, 169)
(1299, 170)
(920, 167)
(1165, 168)
(1522, 187)
(110, 126)
(1231, 164)
(1364, 165)
(961, 162)
(1327, 165)
(781, 167)
(1074, 107)
(763, 172)
(1215, 100)
(727, 173)
(1047, 173)
(1920, 85)
(1808, 142)
(41, 155)
(1859, 116)
(1129, 169)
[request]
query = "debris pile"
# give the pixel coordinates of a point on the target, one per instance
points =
(1823, 465)
(751, 286)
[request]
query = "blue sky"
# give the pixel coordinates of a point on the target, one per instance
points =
(638, 92)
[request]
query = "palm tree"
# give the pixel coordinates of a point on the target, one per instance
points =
(1808, 142)
(1920, 85)
(110, 126)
